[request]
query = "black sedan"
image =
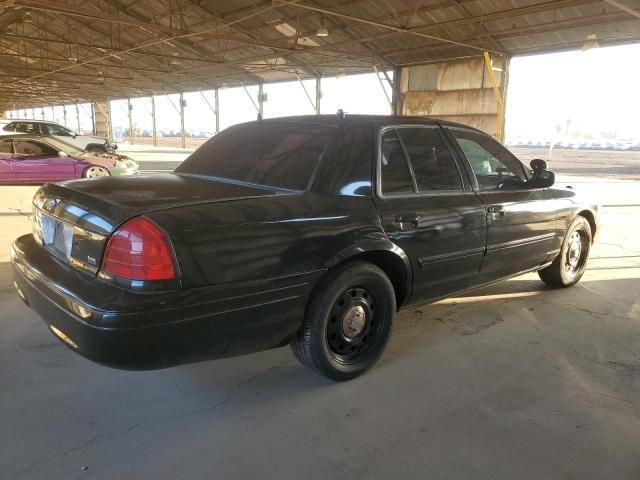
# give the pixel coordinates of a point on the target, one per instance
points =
(309, 231)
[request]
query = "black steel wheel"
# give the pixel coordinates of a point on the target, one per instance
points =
(352, 327)
(348, 322)
(571, 262)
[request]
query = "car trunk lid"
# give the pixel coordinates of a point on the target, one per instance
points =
(73, 220)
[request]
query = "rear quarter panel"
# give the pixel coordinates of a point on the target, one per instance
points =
(265, 238)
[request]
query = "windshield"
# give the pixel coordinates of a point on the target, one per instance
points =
(64, 146)
(277, 155)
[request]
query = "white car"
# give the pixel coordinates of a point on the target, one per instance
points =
(53, 129)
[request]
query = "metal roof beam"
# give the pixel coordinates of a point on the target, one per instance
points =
(624, 8)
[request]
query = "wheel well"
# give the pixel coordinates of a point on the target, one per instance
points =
(390, 264)
(588, 215)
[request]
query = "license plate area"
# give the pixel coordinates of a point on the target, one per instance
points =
(73, 245)
(57, 237)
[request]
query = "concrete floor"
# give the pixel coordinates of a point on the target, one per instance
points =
(515, 381)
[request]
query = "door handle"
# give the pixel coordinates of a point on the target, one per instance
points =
(496, 211)
(412, 218)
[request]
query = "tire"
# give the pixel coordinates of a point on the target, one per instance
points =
(571, 263)
(95, 171)
(348, 322)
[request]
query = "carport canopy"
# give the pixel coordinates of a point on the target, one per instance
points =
(61, 51)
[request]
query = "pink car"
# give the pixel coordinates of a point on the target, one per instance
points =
(39, 159)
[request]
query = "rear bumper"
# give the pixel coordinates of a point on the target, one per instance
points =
(140, 332)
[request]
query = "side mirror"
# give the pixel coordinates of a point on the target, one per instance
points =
(62, 154)
(538, 164)
(542, 178)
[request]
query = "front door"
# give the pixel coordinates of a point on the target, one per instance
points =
(428, 209)
(35, 161)
(521, 221)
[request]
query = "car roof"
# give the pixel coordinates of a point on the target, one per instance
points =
(25, 136)
(32, 120)
(357, 119)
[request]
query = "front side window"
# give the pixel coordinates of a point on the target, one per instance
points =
(53, 129)
(277, 155)
(32, 148)
(5, 148)
(493, 165)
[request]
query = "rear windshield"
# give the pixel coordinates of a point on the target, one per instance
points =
(276, 155)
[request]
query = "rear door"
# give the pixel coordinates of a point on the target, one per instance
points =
(428, 209)
(27, 127)
(6, 161)
(36, 161)
(520, 220)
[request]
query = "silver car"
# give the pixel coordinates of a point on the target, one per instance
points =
(53, 129)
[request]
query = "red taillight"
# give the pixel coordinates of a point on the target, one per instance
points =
(139, 250)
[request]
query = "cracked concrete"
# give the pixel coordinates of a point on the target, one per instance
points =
(517, 380)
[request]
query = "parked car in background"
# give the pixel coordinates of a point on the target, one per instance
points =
(36, 159)
(311, 231)
(53, 129)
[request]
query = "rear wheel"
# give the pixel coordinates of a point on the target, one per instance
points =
(571, 263)
(347, 323)
(95, 171)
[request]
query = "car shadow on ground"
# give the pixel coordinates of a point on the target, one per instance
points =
(470, 314)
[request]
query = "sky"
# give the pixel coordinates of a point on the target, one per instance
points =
(597, 92)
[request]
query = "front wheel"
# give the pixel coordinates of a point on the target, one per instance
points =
(571, 263)
(347, 323)
(95, 171)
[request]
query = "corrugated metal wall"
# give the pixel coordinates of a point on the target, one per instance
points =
(459, 91)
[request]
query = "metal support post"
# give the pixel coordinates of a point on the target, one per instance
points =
(154, 132)
(129, 108)
(217, 107)
(78, 119)
(184, 140)
(260, 100)
(396, 98)
(93, 118)
(318, 93)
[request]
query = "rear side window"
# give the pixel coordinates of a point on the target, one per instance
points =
(394, 166)
(277, 155)
(5, 147)
(27, 127)
(417, 160)
(433, 164)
